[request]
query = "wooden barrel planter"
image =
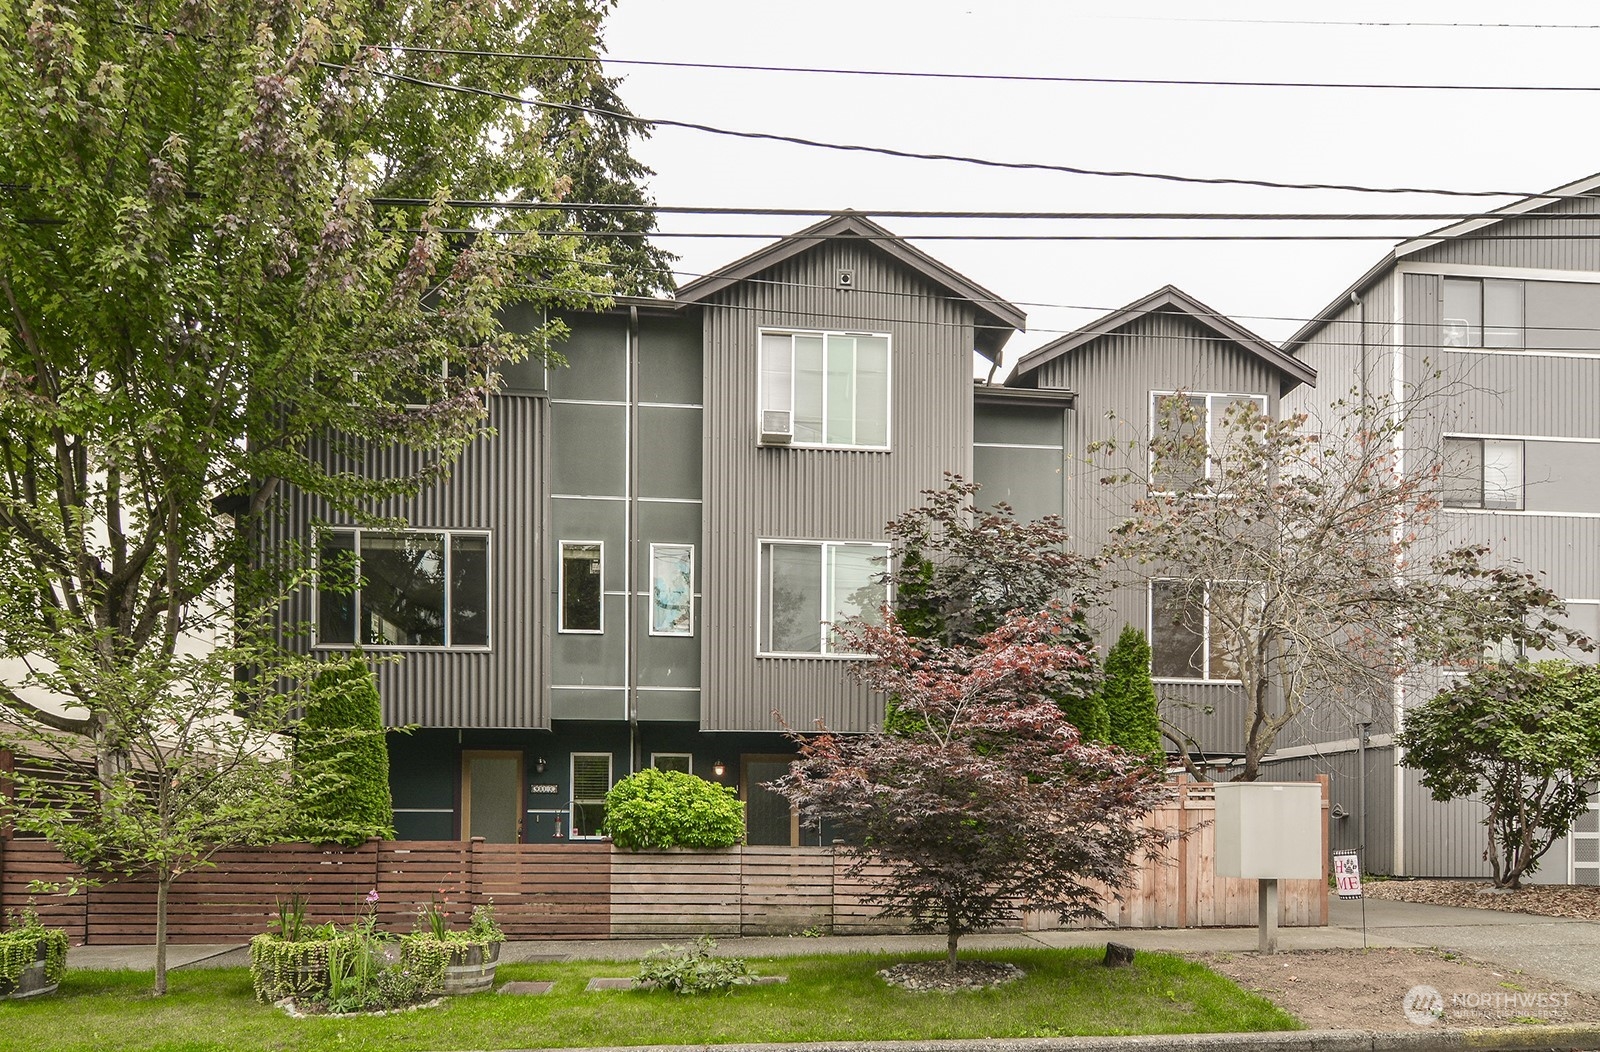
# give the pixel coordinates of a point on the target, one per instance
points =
(471, 969)
(31, 983)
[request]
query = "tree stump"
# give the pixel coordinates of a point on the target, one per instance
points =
(1117, 955)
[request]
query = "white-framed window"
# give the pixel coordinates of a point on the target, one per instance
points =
(1482, 312)
(825, 388)
(673, 761)
(1186, 642)
(581, 587)
(672, 589)
(402, 589)
(1187, 430)
(808, 585)
(591, 781)
(1483, 473)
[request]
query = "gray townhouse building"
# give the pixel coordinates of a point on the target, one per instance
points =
(636, 570)
(1496, 320)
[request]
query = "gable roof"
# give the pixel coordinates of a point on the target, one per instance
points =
(997, 318)
(1172, 299)
(1588, 184)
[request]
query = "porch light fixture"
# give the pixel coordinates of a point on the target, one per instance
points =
(719, 768)
(539, 765)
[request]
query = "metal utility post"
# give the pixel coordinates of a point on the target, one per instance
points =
(1267, 917)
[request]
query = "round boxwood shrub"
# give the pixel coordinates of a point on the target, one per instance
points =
(659, 809)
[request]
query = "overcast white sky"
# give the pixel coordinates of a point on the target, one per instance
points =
(1471, 140)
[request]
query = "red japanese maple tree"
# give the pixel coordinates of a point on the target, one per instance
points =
(985, 800)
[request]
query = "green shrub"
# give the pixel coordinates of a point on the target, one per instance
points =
(342, 761)
(692, 970)
(1130, 697)
(660, 809)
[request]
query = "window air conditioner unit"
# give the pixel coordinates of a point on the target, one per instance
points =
(777, 427)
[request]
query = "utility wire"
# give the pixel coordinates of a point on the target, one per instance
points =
(1020, 78)
(985, 162)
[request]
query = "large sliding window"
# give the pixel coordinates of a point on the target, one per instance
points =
(1483, 473)
(1187, 640)
(808, 585)
(1482, 312)
(408, 588)
(1188, 436)
(826, 388)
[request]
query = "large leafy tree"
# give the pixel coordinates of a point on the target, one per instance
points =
(1302, 561)
(1524, 738)
(237, 254)
(987, 800)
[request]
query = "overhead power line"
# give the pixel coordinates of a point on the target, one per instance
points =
(1019, 78)
(986, 162)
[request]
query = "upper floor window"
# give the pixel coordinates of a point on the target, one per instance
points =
(825, 389)
(807, 585)
(408, 588)
(1482, 312)
(1483, 473)
(672, 589)
(581, 592)
(1186, 640)
(1188, 435)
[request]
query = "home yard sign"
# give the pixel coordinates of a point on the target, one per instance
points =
(1347, 871)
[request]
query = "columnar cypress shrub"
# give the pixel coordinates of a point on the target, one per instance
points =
(342, 761)
(1129, 697)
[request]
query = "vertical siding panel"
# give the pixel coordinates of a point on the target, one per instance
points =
(496, 485)
(753, 492)
(1159, 351)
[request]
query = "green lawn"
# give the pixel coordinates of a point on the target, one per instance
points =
(1066, 992)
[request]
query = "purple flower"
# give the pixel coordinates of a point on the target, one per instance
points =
(372, 896)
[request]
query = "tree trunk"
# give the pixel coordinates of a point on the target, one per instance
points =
(951, 937)
(163, 883)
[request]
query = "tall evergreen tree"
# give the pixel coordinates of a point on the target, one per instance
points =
(1129, 697)
(342, 761)
(591, 145)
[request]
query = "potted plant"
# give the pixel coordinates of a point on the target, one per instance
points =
(33, 958)
(468, 958)
(293, 960)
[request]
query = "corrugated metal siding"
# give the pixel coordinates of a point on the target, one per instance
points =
(496, 485)
(1115, 374)
(1531, 244)
(753, 492)
(1343, 771)
(1442, 840)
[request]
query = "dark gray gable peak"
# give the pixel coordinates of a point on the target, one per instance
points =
(1587, 185)
(1171, 299)
(997, 318)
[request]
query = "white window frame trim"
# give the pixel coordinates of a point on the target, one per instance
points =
(572, 791)
(761, 597)
(694, 596)
(1205, 634)
(561, 588)
(1263, 402)
(1483, 482)
(888, 409)
(685, 755)
(447, 645)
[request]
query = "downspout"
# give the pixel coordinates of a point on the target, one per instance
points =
(630, 547)
(1361, 788)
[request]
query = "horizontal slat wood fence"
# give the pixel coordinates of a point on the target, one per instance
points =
(589, 891)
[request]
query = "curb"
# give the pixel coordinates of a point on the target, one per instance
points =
(1481, 1039)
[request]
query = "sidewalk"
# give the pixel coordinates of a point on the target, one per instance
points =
(1555, 948)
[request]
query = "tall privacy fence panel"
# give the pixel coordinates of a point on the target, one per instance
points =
(592, 891)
